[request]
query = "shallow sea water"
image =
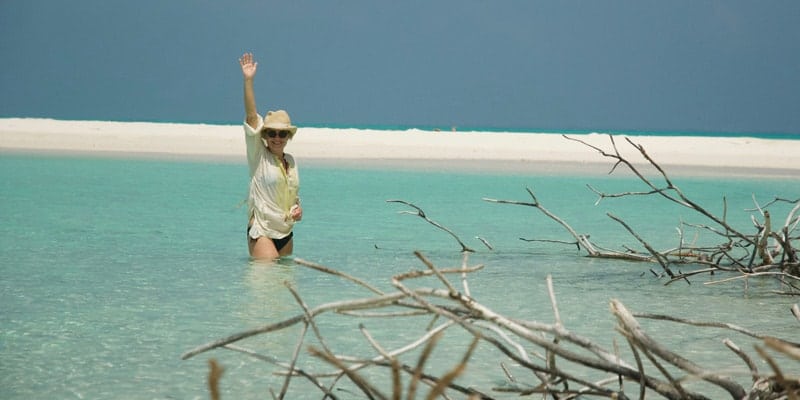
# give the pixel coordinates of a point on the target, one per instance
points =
(113, 268)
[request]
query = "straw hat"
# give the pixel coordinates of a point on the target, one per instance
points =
(280, 121)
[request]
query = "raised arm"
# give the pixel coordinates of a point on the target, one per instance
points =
(249, 73)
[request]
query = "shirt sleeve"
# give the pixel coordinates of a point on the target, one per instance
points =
(252, 139)
(250, 131)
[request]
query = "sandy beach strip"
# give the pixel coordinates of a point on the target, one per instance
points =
(414, 149)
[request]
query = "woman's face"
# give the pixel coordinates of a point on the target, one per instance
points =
(275, 140)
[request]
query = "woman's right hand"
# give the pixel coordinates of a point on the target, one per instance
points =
(248, 65)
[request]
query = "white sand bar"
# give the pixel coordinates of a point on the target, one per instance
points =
(535, 152)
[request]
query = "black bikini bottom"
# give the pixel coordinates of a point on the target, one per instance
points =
(282, 242)
(279, 243)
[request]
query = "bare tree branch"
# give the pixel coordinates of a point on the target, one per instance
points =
(420, 213)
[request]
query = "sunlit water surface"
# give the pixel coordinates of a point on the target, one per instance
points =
(113, 268)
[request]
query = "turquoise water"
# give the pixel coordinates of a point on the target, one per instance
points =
(112, 268)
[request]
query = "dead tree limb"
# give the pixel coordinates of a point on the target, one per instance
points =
(547, 350)
(420, 213)
(662, 260)
(629, 325)
(667, 190)
(767, 249)
(214, 374)
(581, 240)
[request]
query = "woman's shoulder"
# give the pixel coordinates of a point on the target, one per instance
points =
(253, 130)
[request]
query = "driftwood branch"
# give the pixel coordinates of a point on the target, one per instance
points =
(581, 240)
(547, 350)
(770, 248)
(420, 213)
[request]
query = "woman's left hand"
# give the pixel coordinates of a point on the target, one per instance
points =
(296, 212)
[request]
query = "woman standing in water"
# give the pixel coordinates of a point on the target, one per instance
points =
(273, 205)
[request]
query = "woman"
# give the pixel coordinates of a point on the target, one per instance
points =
(273, 206)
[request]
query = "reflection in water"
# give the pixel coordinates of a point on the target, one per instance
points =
(269, 301)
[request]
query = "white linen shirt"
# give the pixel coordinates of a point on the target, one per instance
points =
(273, 190)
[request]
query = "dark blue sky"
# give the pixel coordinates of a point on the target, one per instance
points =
(688, 66)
